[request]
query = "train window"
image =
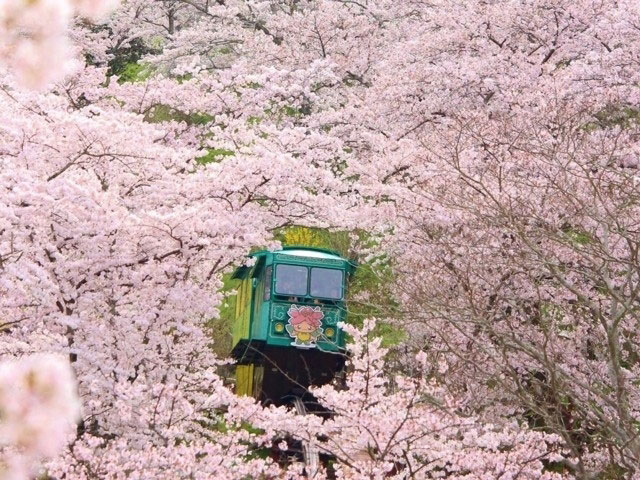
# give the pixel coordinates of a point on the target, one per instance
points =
(291, 280)
(267, 283)
(326, 283)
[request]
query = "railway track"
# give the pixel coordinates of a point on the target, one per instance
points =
(310, 453)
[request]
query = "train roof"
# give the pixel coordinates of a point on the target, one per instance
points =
(300, 251)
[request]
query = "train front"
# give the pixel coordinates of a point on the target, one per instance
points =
(307, 299)
(292, 340)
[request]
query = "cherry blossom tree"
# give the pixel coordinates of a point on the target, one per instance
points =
(38, 406)
(512, 206)
(113, 240)
(34, 36)
(409, 427)
(489, 150)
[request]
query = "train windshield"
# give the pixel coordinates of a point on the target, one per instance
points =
(291, 280)
(326, 283)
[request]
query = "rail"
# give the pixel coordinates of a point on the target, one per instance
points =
(309, 450)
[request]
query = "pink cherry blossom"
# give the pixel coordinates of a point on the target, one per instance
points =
(481, 155)
(33, 36)
(39, 407)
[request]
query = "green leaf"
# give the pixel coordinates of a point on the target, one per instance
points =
(214, 155)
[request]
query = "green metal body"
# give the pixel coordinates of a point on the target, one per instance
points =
(263, 319)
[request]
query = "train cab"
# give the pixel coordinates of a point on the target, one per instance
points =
(288, 307)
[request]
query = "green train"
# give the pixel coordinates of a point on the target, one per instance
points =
(285, 333)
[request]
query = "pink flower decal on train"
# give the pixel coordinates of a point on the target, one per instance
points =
(305, 325)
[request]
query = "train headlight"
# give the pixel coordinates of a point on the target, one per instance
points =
(278, 327)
